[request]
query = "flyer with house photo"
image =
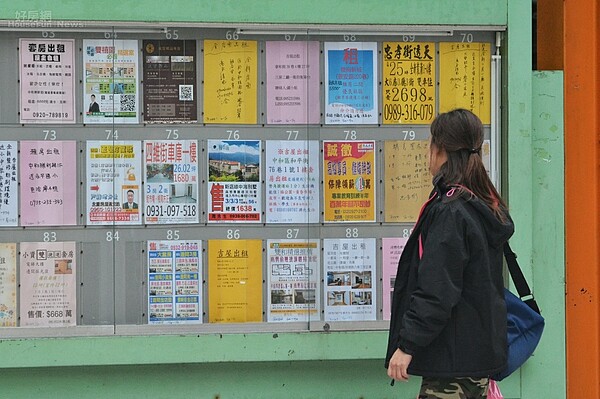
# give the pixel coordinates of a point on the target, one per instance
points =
(349, 267)
(234, 181)
(293, 280)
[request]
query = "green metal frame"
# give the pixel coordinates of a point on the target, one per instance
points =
(339, 363)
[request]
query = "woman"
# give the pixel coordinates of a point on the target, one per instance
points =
(448, 320)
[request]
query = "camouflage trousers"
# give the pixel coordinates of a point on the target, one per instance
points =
(453, 388)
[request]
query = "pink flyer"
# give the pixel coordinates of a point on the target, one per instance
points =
(392, 249)
(293, 82)
(48, 183)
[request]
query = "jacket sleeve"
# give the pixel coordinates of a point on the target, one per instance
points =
(439, 281)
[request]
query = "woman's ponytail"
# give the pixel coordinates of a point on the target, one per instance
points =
(460, 134)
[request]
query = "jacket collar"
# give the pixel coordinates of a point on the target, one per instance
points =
(439, 185)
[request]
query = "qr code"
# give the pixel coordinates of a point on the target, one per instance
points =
(128, 102)
(186, 92)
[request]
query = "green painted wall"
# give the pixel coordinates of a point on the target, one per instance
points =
(466, 12)
(204, 348)
(548, 236)
(351, 379)
(315, 364)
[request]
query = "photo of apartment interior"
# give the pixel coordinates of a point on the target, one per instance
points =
(360, 279)
(282, 297)
(304, 296)
(338, 298)
(183, 193)
(293, 296)
(362, 298)
(338, 278)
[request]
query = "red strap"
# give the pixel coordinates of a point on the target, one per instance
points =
(419, 218)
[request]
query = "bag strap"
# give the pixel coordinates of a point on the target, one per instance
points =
(519, 279)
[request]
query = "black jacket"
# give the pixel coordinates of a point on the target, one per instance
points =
(448, 308)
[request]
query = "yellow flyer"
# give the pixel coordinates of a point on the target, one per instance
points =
(234, 281)
(465, 78)
(408, 83)
(230, 81)
(349, 181)
(407, 179)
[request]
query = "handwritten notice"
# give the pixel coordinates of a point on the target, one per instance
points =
(48, 183)
(234, 281)
(230, 81)
(407, 179)
(293, 82)
(292, 181)
(465, 78)
(9, 214)
(408, 83)
(486, 156)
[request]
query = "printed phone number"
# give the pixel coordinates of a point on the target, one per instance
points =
(55, 115)
(171, 210)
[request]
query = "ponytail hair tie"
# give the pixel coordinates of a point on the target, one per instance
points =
(474, 150)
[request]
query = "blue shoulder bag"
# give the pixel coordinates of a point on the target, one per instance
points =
(525, 323)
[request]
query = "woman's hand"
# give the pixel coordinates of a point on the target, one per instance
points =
(399, 365)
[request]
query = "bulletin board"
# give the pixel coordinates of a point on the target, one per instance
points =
(216, 178)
